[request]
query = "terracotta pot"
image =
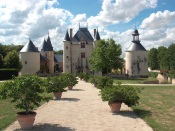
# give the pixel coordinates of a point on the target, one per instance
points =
(115, 106)
(57, 95)
(26, 121)
(70, 87)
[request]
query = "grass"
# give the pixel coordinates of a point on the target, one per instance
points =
(8, 112)
(157, 107)
(133, 80)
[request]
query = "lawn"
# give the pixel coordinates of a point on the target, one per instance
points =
(133, 80)
(157, 107)
(8, 112)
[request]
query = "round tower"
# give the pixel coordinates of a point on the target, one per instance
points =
(67, 68)
(136, 58)
(30, 58)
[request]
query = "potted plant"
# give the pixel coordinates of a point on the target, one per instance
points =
(93, 80)
(57, 85)
(27, 93)
(116, 95)
(70, 80)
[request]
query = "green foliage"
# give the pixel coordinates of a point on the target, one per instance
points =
(24, 91)
(12, 60)
(104, 82)
(55, 84)
(1, 61)
(6, 74)
(106, 55)
(163, 57)
(58, 52)
(81, 75)
(153, 74)
(121, 93)
(4, 49)
(70, 79)
(171, 55)
(152, 59)
(86, 77)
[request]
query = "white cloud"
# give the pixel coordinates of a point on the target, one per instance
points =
(159, 20)
(117, 11)
(21, 19)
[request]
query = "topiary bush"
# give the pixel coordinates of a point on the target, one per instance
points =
(122, 94)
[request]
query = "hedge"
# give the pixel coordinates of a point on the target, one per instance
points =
(6, 74)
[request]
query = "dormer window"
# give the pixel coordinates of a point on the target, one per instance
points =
(83, 44)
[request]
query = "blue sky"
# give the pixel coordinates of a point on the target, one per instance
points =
(154, 19)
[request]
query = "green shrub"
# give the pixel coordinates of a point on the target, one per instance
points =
(121, 93)
(55, 84)
(70, 79)
(153, 74)
(6, 74)
(25, 91)
(103, 81)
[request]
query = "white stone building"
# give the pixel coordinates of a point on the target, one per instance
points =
(136, 58)
(78, 49)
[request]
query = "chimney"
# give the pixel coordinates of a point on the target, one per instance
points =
(94, 32)
(71, 33)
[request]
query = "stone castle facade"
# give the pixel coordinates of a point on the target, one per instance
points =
(78, 49)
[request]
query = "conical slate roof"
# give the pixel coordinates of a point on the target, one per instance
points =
(46, 45)
(97, 36)
(82, 33)
(67, 38)
(29, 47)
(136, 46)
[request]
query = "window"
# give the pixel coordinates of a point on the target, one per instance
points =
(82, 55)
(25, 62)
(82, 44)
(66, 47)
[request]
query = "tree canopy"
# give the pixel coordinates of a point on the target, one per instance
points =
(12, 60)
(152, 59)
(106, 56)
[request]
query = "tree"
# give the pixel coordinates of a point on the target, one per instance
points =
(4, 49)
(171, 55)
(1, 61)
(12, 61)
(58, 52)
(106, 56)
(153, 60)
(163, 57)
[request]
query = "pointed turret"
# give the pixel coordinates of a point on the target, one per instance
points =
(29, 47)
(136, 45)
(46, 45)
(67, 38)
(97, 36)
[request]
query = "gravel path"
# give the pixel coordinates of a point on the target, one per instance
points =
(81, 109)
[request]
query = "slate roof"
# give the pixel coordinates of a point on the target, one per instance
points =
(82, 34)
(55, 60)
(136, 46)
(29, 47)
(67, 38)
(59, 57)
(47, 45)
(97, 36)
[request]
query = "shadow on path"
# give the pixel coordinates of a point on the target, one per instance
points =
(76, 90)
(70, 99)
(139, 113)
(48, 127)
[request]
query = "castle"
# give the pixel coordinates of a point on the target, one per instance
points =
(78, 49)
(76, 54)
